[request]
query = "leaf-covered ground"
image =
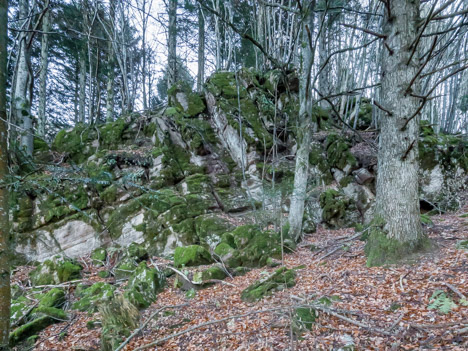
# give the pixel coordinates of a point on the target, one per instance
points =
(394, 302)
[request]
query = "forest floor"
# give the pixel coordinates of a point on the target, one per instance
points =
(378, 308)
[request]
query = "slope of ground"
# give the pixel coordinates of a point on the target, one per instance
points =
(392, 302)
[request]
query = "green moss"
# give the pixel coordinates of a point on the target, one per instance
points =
(53, 298)
(196, 184)
(73, 143)
(99, 256)
(52, 312)
(109, 195)
(90, 296)
(212, 273)
(303, 319)
(381, 250)
(110, 134)
(281, 279)
(104, 274)
(144, 285)
(210, 228)
(193, 255)
(185, 100)
(125, 268)
(224, 83)
(150, 129)
(40, 145)
(338, 153)
(332, 204)
(31, 328)
(55, 271)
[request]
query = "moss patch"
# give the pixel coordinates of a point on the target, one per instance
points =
(144, 285)
(193, 255)
(381, 250)
(90, 296)
(281, 279)
(55, 271)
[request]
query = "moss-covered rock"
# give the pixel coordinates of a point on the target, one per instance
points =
(193, 255)
(53, 298)
(125, 268)
(73, 142)
(144, 285)
(210, 228)
(90, 296)
(224, 83)
(137, 251)
(110, 134)
(212, 273)
(336, 209)
(303, 319)
(195, 184)
(281, 279)
(31, 328)
(56, 271)
(338, 154)
(185, 100)
(381, 250)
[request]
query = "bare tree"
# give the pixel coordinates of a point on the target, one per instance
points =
(4, 228)
(44, 70)
(172, 44)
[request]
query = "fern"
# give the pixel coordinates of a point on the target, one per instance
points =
(441, 302)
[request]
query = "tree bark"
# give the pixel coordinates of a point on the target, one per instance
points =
(172, 44)
(44, 70)
(82, 93)
(397, 199)
(201, 49)
(4, 228)
(22, 102)
(306, 128)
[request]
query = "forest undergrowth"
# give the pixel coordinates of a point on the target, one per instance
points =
(417, 305)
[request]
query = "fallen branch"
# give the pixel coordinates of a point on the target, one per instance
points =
(455, 290)
(143, 326)
(159, 341)
(200, 283)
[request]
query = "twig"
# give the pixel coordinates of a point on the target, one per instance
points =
(70, 283)
(455, 290)
(159, 341)
(143, 326)
(396, 322)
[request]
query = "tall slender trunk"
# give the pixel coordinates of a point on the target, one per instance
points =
(306, 128)
(22, 103)
(324, 77)
(397, 199)
(82, 74)
(110, 83)
(201, 49)
(4, 228)
(172, 45)
(44, 70)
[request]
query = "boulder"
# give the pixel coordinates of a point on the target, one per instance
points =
(56, 271)
(90, 296)
(144, 285)
(193, 255)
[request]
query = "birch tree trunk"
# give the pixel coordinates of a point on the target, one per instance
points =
(306, 127)
(44, 70)
(172, 45)
(397, 199)
(22, 102)
(201, 49)
(4, 232)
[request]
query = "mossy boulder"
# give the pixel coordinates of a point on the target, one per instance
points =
(47, 312)
(73, 143)
(56, 271)
(144, 285)
(281, 279)
(111, 133)
(195, 184)
(206, 276)
(225, 84)
(137, 251)
(193, 255)
(90, 296)
(339, 154)
(336, 208)
(210, 228)
(185, 100)
(125, 268)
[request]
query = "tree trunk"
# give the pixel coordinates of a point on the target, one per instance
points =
(82, 94)
(4, 233)
(172, 45)
(201, 49)
(306, 128)
(110, 84)
(22, 103)
(397, 199)
(44, 70)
